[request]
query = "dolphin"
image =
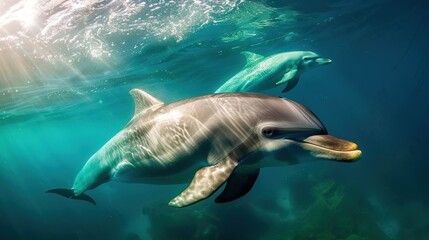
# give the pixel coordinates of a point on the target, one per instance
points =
(206, 141)
(263, 73)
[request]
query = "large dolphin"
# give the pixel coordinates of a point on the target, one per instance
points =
(207, 141)
(263, 73)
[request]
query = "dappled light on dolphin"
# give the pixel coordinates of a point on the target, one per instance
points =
(207, 141)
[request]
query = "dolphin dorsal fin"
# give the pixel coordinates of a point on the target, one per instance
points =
(251, 57)
(143, 100)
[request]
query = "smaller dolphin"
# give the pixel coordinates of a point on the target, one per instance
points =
(262, 73)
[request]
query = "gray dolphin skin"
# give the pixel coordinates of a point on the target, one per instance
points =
(263, 73)
(207, 141)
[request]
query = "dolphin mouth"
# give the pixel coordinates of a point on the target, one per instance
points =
(323, 61)
(327, 146)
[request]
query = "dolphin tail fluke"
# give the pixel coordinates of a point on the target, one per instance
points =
(69, 193)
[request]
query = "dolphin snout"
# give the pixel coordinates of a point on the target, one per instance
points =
(331, 142)
(327, 146)
(323, 61)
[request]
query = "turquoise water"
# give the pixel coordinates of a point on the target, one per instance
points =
(66, 68)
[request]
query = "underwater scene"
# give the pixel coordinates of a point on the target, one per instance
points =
(209, 119)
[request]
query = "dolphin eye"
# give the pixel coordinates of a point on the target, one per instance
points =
(268, 132)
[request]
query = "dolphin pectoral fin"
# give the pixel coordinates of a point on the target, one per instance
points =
(291, 84)
(69, 193)
(238, 185)
(288, 76)
(205, 182)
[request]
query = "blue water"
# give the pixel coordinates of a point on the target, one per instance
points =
(66, 68)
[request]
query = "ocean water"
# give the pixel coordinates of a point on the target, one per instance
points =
(66, 67)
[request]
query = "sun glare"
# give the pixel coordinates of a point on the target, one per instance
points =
(23, 12)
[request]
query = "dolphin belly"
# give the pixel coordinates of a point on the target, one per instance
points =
(157, 176)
